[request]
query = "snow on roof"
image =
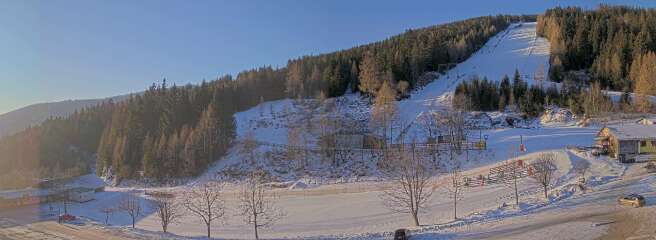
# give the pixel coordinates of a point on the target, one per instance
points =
(645, 121)
(633, 131)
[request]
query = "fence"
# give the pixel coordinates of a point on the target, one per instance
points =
(506, 173)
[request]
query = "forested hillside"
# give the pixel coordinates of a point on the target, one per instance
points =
(401, 59)
(174, 131)
(615, 44)
(57, 148)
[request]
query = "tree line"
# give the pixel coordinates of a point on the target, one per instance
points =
(400, 60)
(207, 202)
(166, 131)
(170, 132)
(58, 148)
(485, 95)
(608, 42)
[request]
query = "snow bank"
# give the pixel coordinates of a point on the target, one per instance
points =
(557, 116)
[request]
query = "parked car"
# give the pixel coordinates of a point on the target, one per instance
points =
(401, 234)
(633, 200)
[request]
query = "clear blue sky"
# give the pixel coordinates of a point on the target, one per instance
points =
(58, 50)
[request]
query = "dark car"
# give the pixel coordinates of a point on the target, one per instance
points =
(401, 234)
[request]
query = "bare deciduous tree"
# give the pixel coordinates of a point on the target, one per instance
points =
(410, 177)
(513, 173)
(456, 130)
(131, 205)
(108, 212)
(168, 210)
(456, 184)
(544, 169)
(456, 135)
(256, 206)
(429, 121)
(461, 102)
(294, 141)
(206, 202)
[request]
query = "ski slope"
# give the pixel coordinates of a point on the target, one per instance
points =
(518, 47)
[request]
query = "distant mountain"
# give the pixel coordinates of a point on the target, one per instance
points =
(20, 119)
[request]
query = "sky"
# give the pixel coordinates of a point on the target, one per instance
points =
(59, 50)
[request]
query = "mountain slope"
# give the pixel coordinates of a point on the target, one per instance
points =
(17, 120)
(517, 47)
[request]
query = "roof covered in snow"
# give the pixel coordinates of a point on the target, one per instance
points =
(633, 131)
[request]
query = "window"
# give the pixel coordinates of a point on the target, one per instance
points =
(643, 143)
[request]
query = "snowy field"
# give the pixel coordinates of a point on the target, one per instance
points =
(348, 209)
(354, 210)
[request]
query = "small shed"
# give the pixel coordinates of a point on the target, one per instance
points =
(627, 142)
(81, 194)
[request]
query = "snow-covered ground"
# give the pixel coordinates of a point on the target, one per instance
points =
(355, 211)
(518, 47)
(323, 206)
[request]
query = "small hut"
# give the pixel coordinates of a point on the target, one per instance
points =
(628, 142)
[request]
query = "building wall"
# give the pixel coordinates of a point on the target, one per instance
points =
(628, 147)
(648, 146)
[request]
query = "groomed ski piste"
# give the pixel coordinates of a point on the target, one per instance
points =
(325, 207)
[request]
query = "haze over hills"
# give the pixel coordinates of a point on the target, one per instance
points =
(22, 118)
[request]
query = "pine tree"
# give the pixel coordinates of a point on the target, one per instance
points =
(104, 152)
(354, 76)
(370, 79)
(148, 159)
